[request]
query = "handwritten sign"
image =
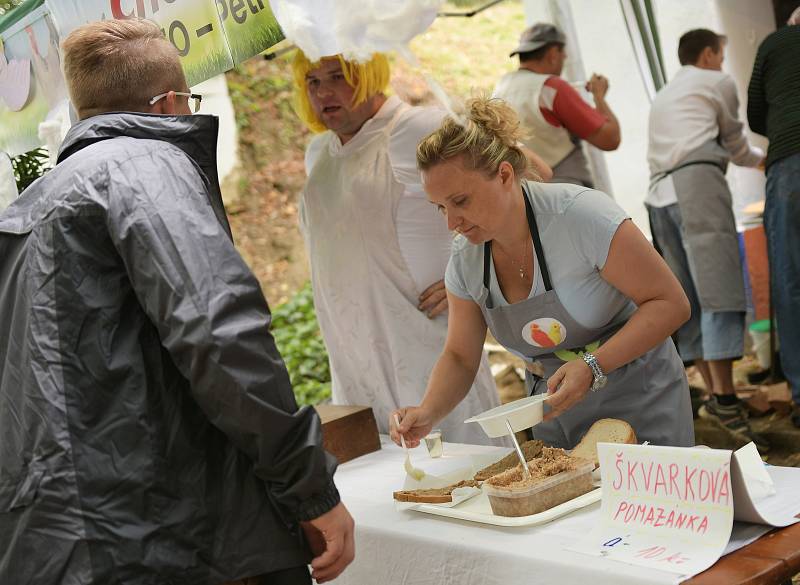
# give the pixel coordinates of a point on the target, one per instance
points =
(663, 507)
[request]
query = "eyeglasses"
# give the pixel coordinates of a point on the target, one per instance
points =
(195, 97)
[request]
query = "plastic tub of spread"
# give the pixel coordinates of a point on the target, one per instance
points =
(531, 496)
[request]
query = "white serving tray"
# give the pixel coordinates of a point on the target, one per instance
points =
(478, 509)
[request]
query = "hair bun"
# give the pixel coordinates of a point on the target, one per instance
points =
(496, 117)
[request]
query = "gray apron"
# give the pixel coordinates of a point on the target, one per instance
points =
(574, 168)
(709, 228)
(651, 393)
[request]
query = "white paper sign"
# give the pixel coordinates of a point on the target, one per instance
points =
(761, 496)
(663, 507)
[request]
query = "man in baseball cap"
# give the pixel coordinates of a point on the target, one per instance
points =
(552, 111)
(538, 36)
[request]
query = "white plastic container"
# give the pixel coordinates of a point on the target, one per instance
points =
(522, 414)
(541, 496)
(759, 333)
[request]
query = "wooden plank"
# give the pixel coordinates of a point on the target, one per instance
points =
(771, 560)
(783, 544)
(740, 569)
(348, 431)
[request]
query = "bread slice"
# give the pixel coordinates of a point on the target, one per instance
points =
(605, 430)
(530, 449)
(433, 495)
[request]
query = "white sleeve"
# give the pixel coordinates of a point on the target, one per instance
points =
(410, 129)
(313, 150)
(422, 232)
(731, 128)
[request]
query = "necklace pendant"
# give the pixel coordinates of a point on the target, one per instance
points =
(521, 274)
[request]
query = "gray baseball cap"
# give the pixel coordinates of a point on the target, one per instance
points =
(537, 36)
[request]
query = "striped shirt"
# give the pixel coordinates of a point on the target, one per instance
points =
(773, 104)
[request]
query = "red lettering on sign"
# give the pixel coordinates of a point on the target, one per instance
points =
(641, 510)
(673, 480)
(618, 481)
(724, 491)
(652, 552)
(660, 480)
(670, 519)
(675, 558)
(631, 476)
(660, 518)
(116, 10)
(647, 477)
(688, 485)
(707, 476)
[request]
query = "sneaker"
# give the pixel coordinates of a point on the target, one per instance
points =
(734, 420)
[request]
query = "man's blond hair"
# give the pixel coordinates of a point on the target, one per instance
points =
(119, 65)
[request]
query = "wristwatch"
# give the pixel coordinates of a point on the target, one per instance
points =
(600, 379)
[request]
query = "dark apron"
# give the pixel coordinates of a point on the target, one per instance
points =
(651, 392)
(709, 228)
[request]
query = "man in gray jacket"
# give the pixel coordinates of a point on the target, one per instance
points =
(148, 430)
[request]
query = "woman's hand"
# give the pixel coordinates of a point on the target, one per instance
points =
(568, 386)
(415, 423)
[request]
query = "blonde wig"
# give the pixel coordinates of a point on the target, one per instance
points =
(367, 79)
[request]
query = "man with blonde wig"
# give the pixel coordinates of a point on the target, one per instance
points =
(149, 430)
(378, 249)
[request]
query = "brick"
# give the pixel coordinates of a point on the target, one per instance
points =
(780, 397)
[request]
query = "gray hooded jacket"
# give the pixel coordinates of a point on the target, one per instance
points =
(148, 430)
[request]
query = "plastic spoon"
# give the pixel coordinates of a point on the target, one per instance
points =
(417, 474)
(524, 463)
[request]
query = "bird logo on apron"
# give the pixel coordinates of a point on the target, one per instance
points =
(544, 332)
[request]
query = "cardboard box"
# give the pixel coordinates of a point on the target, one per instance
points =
(348, 431)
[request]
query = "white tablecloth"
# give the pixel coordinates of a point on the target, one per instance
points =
(413, 548)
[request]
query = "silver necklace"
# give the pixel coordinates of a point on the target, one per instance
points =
(520, 267)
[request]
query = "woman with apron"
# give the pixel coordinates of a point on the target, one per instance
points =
(559, 275)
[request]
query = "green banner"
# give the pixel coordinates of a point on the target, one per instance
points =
(211, 37)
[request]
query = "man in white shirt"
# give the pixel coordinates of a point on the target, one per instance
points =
(694, 131)
(377, 248)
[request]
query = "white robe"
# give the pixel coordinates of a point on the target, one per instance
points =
(382, 348)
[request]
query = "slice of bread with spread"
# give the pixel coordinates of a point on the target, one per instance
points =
(605, 430)
(530, 449)
(433, 495)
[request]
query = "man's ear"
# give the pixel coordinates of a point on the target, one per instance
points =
(170, 105)
(706, 55)
(553, 54)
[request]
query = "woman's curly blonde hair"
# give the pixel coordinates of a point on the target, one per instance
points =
(367, 79)
(488, 134)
